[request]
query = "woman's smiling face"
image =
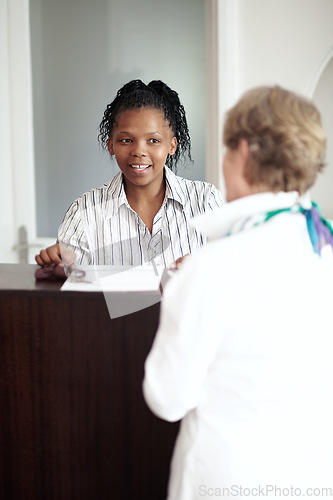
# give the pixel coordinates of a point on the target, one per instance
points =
(141, 141)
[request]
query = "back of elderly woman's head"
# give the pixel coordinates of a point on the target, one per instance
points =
(286, 140)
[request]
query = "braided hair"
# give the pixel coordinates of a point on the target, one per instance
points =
(157, 95)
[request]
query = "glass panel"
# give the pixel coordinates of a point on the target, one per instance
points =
(82, 52)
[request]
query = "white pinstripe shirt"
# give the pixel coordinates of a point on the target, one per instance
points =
(102, 228)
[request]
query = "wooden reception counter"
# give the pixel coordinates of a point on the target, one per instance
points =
(73, 421)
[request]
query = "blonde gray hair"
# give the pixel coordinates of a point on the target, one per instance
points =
(285, 136)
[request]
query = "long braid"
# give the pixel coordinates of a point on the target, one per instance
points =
(158, 95)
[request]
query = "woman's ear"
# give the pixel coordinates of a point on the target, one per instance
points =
(110, 147)
(244, 151)
(173, 146)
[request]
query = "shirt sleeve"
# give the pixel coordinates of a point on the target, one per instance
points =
(184, 347)
(72, 236)
(215, 198)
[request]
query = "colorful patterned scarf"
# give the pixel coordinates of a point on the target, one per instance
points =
(319, 229)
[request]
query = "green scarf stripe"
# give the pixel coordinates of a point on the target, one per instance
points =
(320, 230)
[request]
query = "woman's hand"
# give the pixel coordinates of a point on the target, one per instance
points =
(49, 255)
(178, 262)
(56, 254)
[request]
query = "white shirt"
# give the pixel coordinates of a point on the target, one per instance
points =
(243, 355)
(102, 228)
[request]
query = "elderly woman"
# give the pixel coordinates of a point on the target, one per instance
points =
(243, 353)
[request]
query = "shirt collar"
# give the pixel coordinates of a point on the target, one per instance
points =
(115, 196)
(217, 223)
(174, 190)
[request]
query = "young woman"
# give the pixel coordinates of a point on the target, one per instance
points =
(243, 354)
(143, 213)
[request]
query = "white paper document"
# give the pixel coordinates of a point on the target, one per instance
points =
(114, 279)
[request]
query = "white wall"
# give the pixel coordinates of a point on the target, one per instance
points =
(287, 42)
(282, 41)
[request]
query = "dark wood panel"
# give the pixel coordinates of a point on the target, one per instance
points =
(73, 421)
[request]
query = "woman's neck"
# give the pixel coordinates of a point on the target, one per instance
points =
(146, 201)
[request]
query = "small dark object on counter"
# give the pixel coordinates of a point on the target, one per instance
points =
(53, 272)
